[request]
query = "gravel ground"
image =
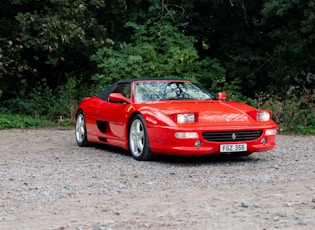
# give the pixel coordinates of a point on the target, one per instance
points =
(48, 182)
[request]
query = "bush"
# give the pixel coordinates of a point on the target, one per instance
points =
(295, 113)
(8, 121)
(44, 106)
(159, 49)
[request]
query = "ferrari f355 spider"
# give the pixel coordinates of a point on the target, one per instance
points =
(172, 117)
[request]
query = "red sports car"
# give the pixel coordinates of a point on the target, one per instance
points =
(170, 116)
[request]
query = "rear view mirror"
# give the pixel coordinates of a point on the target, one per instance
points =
(118, 97)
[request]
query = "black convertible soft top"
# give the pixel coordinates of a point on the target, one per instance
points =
(104, 94)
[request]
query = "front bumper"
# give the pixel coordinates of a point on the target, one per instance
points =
(163, 141)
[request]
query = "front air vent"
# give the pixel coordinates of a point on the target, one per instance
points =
(232, 135)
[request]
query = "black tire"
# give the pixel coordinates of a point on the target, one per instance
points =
(138, 139)
(80, 130)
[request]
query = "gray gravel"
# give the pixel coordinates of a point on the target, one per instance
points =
(48, 182)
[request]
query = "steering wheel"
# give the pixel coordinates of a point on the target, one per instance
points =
(172, 90)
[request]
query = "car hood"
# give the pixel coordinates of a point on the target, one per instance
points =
(214, 111)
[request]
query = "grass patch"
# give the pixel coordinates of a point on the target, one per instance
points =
(9, 121)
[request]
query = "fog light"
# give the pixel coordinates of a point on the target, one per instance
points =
(270, 132)
(186, 135)
(197, 144)
(263, 141)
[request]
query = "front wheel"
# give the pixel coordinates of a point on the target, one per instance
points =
(80, 130)
(138, 139)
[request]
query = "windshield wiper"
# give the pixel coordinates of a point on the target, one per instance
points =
(170, 99)
(177, 99)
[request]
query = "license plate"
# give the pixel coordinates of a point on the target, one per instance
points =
(233, 148)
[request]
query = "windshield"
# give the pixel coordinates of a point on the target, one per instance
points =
(166, 90)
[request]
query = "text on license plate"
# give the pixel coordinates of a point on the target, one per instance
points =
(233, 148)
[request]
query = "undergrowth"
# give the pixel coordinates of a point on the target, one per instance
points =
(294, 112)
(8, 121)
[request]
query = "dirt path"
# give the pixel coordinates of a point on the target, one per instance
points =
(48, 182)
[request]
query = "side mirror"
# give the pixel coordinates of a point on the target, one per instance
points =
(222, 96)
(118, 97)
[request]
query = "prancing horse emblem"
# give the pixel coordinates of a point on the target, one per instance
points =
(234, 136)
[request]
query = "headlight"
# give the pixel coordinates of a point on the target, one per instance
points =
(263, 116)
(186, 118)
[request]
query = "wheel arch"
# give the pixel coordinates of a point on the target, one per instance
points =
(77, 112)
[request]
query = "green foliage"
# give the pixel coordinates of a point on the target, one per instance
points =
(242, 47)
(159, 49)
(296, 111)
(8, 121)
(57, 105)
(288, 29)
(47, 40)
(38, 101)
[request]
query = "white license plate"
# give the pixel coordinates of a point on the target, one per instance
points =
(233, 148)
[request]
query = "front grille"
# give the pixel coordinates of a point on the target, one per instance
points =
(232, 135)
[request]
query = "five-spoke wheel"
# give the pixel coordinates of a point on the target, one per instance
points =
(80, 130)
(138, 139)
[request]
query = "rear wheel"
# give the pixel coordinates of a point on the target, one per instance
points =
(138, 139)
(80, 130)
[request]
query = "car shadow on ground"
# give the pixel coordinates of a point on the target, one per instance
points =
(186, 160)
(206, 159)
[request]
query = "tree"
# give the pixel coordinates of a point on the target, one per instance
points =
(288, 29)
(47, 40)
(158, 49)
(246, 46)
